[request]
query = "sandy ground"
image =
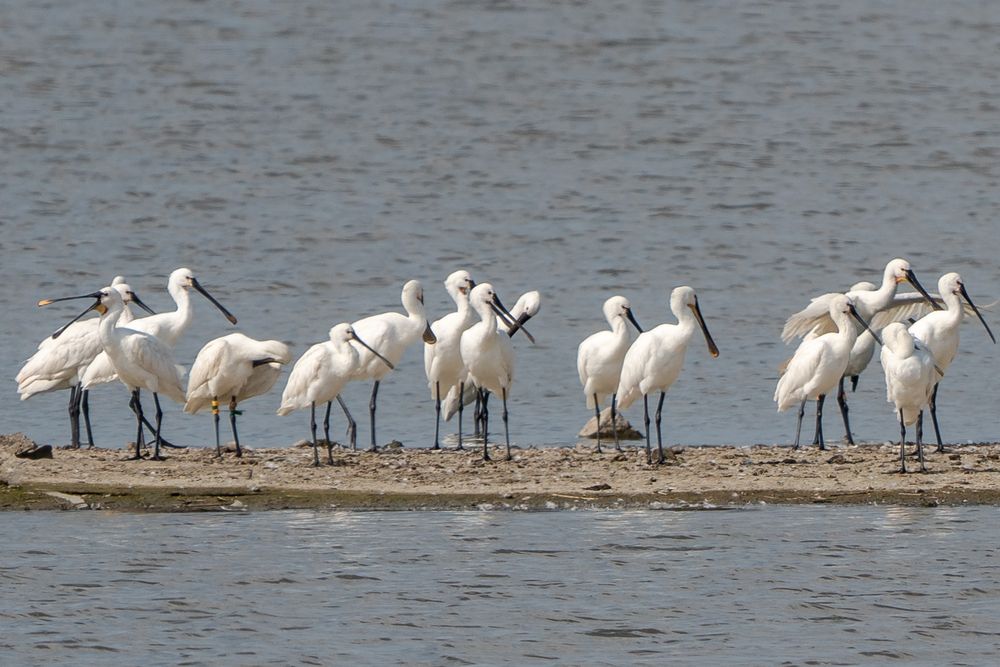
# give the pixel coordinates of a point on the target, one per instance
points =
(556, 478)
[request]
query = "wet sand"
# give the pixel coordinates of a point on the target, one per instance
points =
(552, 478)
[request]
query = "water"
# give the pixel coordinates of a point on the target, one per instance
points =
(829, 585)
(308, 158)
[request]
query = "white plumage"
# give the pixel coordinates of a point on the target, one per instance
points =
(910, 376)
(600, 356)
(654, 361)
(233, 368)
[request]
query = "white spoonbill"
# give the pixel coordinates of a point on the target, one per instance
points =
(489, 358)
(319, 376)
(599, 360)
(938, 330)
(141, 361)
(236, 367)
(443, 359)
(390, 334)
(61, 362)
(167, 327)
(654, 361)
(910, 376)
(819, 363)
(815, 319)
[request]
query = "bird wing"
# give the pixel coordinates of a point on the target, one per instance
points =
(912, 305)
(206, 366)
(305, 372)
(99, 371)
(156, 359)
(814, 317)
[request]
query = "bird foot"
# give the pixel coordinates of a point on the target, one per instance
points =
(157, 458)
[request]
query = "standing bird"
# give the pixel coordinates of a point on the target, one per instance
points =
(654, 361)
(600, 357)
(815, 319)
(819, 364)
(319, 376)
(391, 334)
(909, 381)
(60, 363)
(443, 359)
(141, 361)
(489, 358)
(938, 330)
(236, 367)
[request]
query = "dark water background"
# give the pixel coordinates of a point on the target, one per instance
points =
(781, 585)
(307, 158)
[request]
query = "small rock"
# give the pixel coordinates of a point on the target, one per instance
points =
(597, 487)
(625, 429)
(789, 461)
(393, 446)
(955, 457)
(837, 458)
(35, 452)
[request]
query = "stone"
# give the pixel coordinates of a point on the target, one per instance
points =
(625, 429)
(35, 452)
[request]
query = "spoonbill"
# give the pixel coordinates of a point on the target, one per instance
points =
(391, 334)
(489, 358)
(61, 362)
(167, 327)
(938, 330)
(654, 360)
(443, 359)
(814, 319)
(599, 360)
(236, 367)
(319, 376)
(140, 359)
(909, 381)
(819, 363)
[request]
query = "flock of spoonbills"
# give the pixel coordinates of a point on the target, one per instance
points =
(468, 356)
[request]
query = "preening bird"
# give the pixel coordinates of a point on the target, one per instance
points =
(599, 360)
(319, 376)
(390, 334)
(938, 330)
(61, 362)
(654, 360)
(814, 320)
(910, 377)
(234, 367)
(819, 364)
(443, 358)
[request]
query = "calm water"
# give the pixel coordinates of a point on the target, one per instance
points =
(307, 158)
(831, 585)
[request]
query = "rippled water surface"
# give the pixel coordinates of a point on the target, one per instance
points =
(307, 158)
(830, 585)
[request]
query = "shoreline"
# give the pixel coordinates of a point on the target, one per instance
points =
(558, 478)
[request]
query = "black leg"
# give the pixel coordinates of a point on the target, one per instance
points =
(437, 415)
(819, 421)
(798, 429)
(215, 418)
(659, 434)
(506, 431)
(312, 430)
(136, 406)
(920, 441)
(614, 419)
(902, 443)
(477, 414)
(854, 382)
(597, 415)
(842, 401)
(232, 422)
(371, 412)
(484, 414)
(937, 430)
(645, 420)
(85, 405)
(326, 425)
(461, 405)
(352, 426)
(74, 418)
(159, 422)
